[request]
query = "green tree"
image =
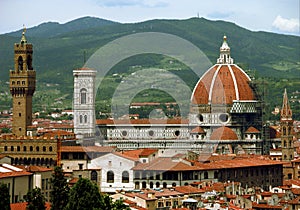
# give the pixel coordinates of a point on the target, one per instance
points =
(4, 197)
(84, 195)
(35, 199)
(119, 205)
(60, 190)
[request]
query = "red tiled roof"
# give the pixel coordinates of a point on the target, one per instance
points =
(295, 201)
(291, 182)
(223, 85)
(217, 186)
(264, 206)
(73, 180)
(189, 190)
(34, 168)
(138, 153)
(198, 129)
(165, 164)
(105, 149)
(223, 133)
(238, 163)
(23, 205)
(14, 174)
(252, 130)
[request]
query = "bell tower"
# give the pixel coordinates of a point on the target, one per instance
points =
(84, 102)
(286, 124)
(22, 86)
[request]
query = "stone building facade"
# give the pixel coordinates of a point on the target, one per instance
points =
(22, 86)
(225, 117)
(84, 102)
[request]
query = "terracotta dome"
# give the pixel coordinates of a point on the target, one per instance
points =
(223, 133)
(223, 82)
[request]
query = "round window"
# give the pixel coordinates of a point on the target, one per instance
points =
(124, 133)
(200, 117)
(223, 117)
(151, 133)
(177, 133)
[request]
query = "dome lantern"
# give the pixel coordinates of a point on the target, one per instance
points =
(225, 53)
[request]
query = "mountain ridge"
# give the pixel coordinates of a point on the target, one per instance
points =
(59, 49)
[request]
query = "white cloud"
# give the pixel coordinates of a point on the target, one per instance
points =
(286, 25)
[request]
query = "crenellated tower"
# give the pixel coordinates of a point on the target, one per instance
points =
(22, 86)
(286, 123)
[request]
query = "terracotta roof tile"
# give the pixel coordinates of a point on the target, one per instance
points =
(197, 129)
(252, 130)
(265, 206)
(223, 133)
(14, 174)
(136, 154)
(104, 149)
(23, 205)
(224, 85)
(189, 190)
(34, 168)
(165, 164)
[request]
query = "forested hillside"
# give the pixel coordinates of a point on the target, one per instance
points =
(273, 59)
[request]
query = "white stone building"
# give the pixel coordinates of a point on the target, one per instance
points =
(116, 173)
(84, 102)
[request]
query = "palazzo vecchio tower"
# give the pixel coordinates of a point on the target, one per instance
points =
(22, 86)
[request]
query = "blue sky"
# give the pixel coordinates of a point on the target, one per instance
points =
(280, 16)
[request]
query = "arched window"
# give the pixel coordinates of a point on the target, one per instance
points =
(215, 175)
(50, 149)
(165, 185)
(157, 184)
(29, 62)
(137, 185)
(85, 118)
(18, 148)
(151, 185)
(284, 143)
(37, 149)
(24, 148)
(144, 185)
(20, 63)
(94, 176)
(110, 177)
(137, 175)
(80, 119)
(205, 175)
(125, 177)
(44, 149)
(83, 92)
(284, 131)
(284, 157)
(31, 148)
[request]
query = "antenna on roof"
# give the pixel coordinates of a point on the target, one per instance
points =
(84, 57)
(198, 14)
